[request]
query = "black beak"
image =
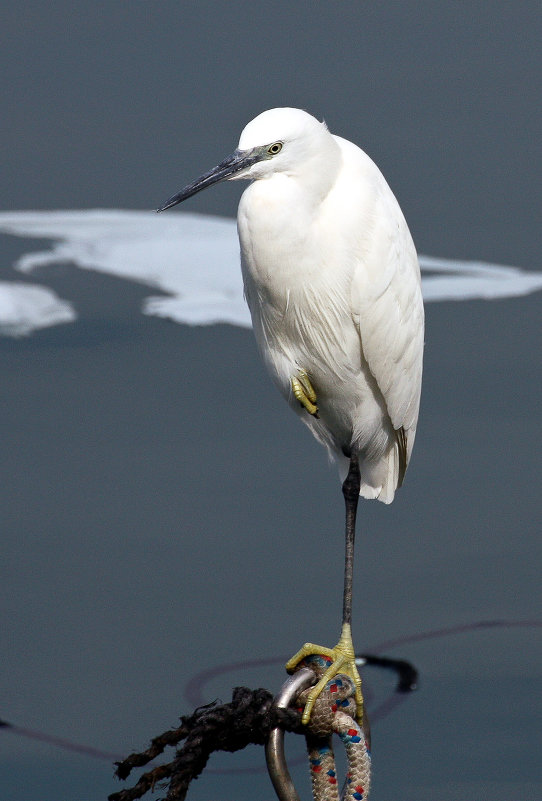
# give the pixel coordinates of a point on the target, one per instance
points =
(239, 160)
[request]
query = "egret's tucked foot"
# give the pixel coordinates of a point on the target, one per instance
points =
(304, 392)
(343, 660)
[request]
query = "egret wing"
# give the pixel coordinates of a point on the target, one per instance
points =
(387, 309)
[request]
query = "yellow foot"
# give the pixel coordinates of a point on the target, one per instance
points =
(343, 661)
(304, 392)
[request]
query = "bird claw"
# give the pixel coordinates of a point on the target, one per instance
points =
(343, 660)
(304, 392)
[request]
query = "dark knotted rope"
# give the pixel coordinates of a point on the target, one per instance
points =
(248, 719)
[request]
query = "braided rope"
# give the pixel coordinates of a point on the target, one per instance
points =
(253, 716)
(335, 712)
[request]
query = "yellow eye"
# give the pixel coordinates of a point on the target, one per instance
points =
(275, 148)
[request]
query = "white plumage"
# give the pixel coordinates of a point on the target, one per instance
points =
(333, 284)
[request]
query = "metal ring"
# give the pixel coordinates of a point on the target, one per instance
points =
(274, 748)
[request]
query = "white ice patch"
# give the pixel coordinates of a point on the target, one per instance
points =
(27, 307)
(475, 280)
(194, 260)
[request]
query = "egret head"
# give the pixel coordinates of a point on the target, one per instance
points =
(279, 140)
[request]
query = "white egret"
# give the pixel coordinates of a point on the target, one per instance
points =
(332, 281)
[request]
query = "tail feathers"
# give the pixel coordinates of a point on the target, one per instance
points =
(380, 479)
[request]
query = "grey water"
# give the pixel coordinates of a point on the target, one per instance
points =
(162, 511)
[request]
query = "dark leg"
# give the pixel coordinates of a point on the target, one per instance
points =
(343, 655)
(351, 486)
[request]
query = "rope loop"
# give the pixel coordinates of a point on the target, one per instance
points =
(334, 712)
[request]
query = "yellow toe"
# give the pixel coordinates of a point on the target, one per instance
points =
(341, 659)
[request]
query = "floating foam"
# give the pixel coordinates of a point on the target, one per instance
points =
(193, 260)
(27, 307)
